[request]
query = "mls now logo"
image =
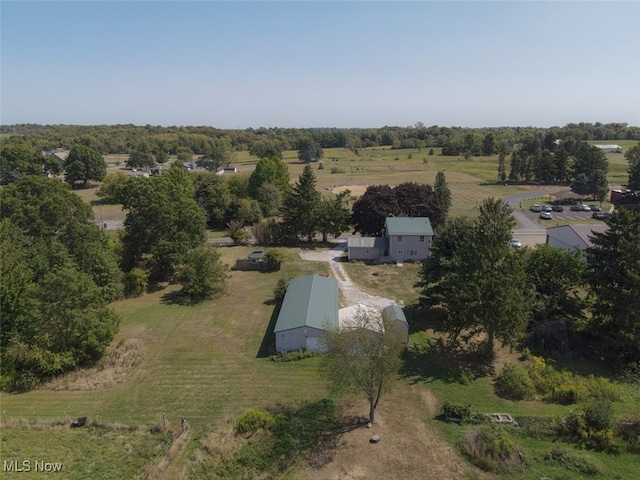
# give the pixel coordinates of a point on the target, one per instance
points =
(28, 466)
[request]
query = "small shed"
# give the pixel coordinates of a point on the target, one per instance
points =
(309, 307)
(393, 313)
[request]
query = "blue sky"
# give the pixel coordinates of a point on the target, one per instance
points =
(320, 64)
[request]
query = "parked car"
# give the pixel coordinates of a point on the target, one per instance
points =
(585, 208)
(595, 208)
(557, 208)
(546, 208)
(576, 208)
(546, 216)
(536, 208)
(601, 215)
(515, 242)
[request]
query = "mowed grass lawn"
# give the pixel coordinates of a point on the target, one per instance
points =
(200, 361)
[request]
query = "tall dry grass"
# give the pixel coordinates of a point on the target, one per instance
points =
(119, 360)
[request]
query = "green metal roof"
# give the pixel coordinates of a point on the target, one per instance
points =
(367, 242)
(394, 312)
(408, 226)
(310, 301)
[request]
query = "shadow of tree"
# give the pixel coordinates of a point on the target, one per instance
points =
(177, 298)
(317, 428)
(436, 359)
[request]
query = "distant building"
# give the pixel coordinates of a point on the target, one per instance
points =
(609, 148)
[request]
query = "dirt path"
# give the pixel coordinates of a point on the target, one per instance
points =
(410, 445)
(351, 293)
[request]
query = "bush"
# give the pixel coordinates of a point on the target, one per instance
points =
(135, 282)
(568, 393)
(491, 449)
(281, 287)
(515, 383)
(253, 419)
(572, 461)
(598, 414)
(452, 410)
(292, 356)
(337, 170)
(542, 428)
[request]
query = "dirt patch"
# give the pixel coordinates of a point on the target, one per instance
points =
(410, 445)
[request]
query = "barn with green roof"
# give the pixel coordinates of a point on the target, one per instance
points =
(310, 306)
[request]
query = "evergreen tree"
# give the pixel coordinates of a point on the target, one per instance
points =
(614, 276)
(633, 157)
(479, 279)
(301, 207)
(442, 192)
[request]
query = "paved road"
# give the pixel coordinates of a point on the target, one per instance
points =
(530, 232)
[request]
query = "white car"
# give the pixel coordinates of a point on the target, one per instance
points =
(515, 242)
(546, 216)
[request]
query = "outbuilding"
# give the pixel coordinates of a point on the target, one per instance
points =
(310, 306)
(572, 237)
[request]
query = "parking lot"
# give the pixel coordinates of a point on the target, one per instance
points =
(567, 215)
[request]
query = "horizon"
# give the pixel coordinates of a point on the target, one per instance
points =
(358, 65)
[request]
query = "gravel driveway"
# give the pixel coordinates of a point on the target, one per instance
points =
(352, 295)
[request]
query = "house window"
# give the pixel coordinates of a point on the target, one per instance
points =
(399, 238)
(399, 252)
(413, 253)
(421, 238)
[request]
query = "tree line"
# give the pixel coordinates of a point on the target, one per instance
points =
(121, 139)
(557, 301)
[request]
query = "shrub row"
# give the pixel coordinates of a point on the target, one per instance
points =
(538, 379)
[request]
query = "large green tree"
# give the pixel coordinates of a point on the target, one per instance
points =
(309, 150)
(141, 156)
(557, 277)
(163, 222)
(301, 207)
(370, 211)
(54, 316)
(334, 217)
(365, 358)
(270, 170)
(202, 274)
(18, 160)
(83, 165)
(266, 149)
(587, 159)
(633, 157)
(47, 210)
(481, 281)
(614, 276)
